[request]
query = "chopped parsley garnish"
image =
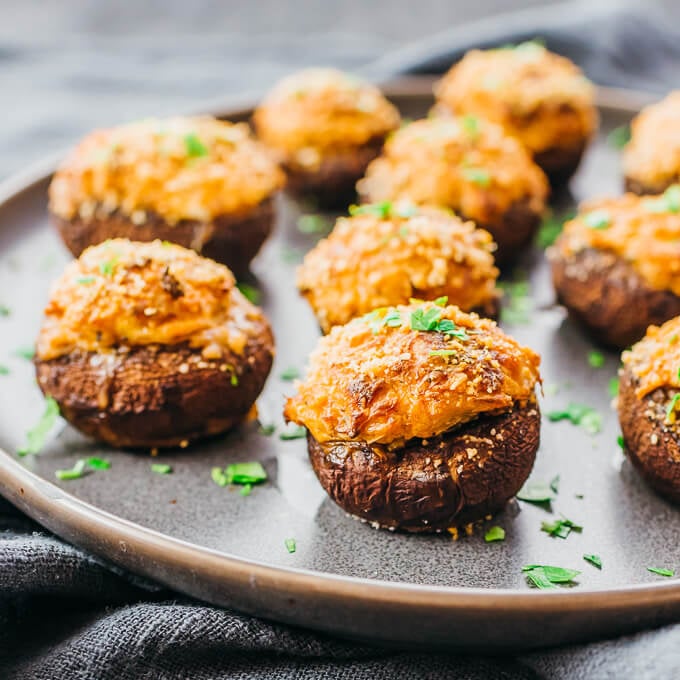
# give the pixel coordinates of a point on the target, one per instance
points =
(560, 528)
(442, 352)
(544, 576)
(494, 534)
(669, 201)
(291, 545)
(289, 374)
(85, 280)
(36, 436)
(430, 320)
(4, 370)
(595, 560)
(25, 353)
(596, 359)
(249, 292)
(106, 268)
(98, 463)
(4, 310)
(267, 430)
(579, 414)
(537, 492)
(296, 432)
(613, 387)
(161, 468)
(661, 571)
(555, 484)
(621, 442)
(441, 301)
(478, 176)
(392, 319)
(239, 473)
(551, 227)
(194, 146)
(471, 126)
(518, 304)
(313, 224)
(670, 411)
(246, 490)
(233, 380)
(385, 209)
(619, 137)
(597, 219)
(77, 471)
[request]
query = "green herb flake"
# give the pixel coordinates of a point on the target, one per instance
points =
(267, 430)
(670, 411)
(596, 359)
(477, 176)
(4, 370)
(313, 224)
(36, 436)
(219, 477)
(85, 280)
(249, 292)
(289, 374)
(98, 463)
(579, 414)
(619, 137)
(597, 219)
(296, 432)
(517, 303)
(544, 576)
(661, 571)
(494, 534)
(107, 268)
(620, 442)
(430, 320)
(233, 380)
(25, 353)
(470, 125)
(246, 490)
(613, 387)
(668, 202)
(246, 473)
(392, 319)
(4, 310)
(551, 227)
(441, 301)
(555, 484)
(291, 545)
(595, 560)
(405, 209)
(560, 528)
(161, 468)
(194, 146)
(77, 471)
(442, 352)
(536, 492)
(382, 210)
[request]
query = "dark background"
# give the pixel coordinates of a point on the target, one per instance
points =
(67, 66)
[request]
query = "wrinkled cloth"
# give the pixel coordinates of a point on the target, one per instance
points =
(67, 614)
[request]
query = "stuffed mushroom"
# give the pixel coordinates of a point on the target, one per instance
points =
(420, 417)
(198, 182)
(151, 345)
(539, 97)
(616, 266)
(468, 165)
(325, 126)
(649, 407)
(651, 159)
(384, 254)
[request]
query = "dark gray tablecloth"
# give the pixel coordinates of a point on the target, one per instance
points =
(66, 614)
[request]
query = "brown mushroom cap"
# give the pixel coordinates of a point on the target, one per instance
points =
(386, 254)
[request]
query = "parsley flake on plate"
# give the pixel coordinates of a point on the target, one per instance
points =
(613, 387)
(478, 176)
(98, 463)
(76, 472)
(544, 576)
(313, 224)
(537, 492)
(291, 545)
(267, 430)
(249, 292)
(296, 432)
(4, 310)
(661, 571)
(289, 374)
(560, 528)
(4, 370)
(595, 560)
(551, 227)
(494, 534)
(619, 136)
(25, 353)
(579, 414)
(239, 473)
(161, 468)
(596, 359)
(35, 437)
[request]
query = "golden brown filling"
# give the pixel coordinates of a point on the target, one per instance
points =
(388, 253)
(644, 231)
(653, 154)
(540, 97)
(318, 111)
(655, 360)
(123, 293)
(410, 371)
(178, 168)
(464, 163)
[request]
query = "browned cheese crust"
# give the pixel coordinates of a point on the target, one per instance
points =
(325, 127)
(539, 97)
(444, 482)
(199, 182)
(151, 345)
(649, 405)
(468, 165)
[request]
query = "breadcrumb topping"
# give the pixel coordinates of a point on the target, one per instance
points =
(540, 97)
(122, 293)
(373, 260)
(643, 230)
(655, 360)
(652, 156)
(463, 163)
(317, 111)
(379, 380)
(178, 168)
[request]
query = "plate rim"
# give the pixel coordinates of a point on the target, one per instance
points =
(84, 525)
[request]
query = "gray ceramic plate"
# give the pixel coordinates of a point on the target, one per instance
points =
(346, 577)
